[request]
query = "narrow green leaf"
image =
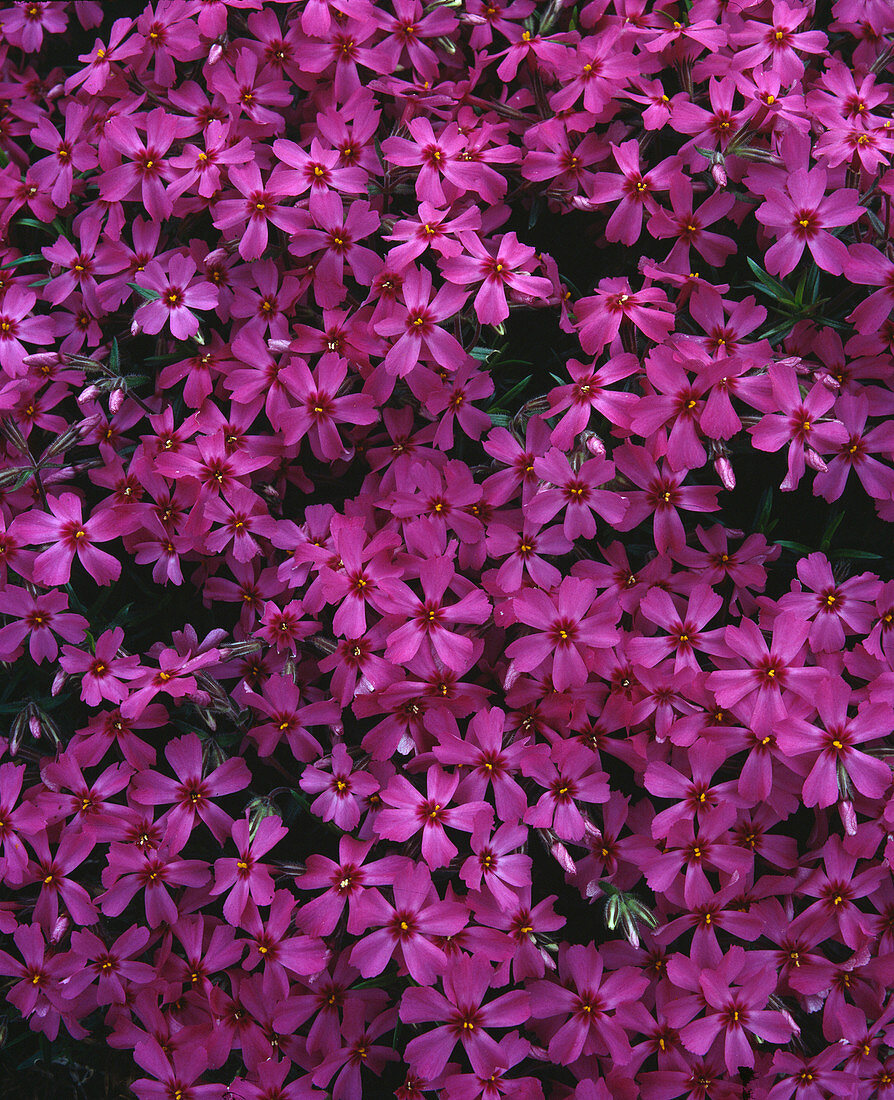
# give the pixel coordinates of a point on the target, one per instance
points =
(22, 260)
(149, 295)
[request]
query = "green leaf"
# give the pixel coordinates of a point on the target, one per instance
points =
(144, 292)
(32, 223)
(863, 555)
(507, 397)
(22, 260)
(832, 526)
(115, 357)
(500, 420)
(773, 284)
(482, 354)
(795, 547)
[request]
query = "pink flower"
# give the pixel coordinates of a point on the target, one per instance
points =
(104, 671)
(464, 1014)
(39, 618)
(802, 215)
(564, 631)
(71, 535)
(338, 790)
(245, 876)
(408, 812)
(178, 294)
(502, 266)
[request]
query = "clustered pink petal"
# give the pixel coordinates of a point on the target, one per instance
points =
(385, 713)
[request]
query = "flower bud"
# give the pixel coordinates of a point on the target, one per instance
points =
(814, 461)
(848, 817)
(594, 444)
(718, 173)
(116, 400)
(59, 681)
(88, 395)
(278, 347)
(57, 932)
(45, 359)
(724, 470)
(563, 857)
(215, 53)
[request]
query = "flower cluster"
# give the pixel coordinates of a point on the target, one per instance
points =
(380, 717)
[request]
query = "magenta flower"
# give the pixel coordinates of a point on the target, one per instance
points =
(336, 233)
(40, 976)
(564, 630)
(772, 669)
(780, 41)
(190, 794)
(464, 1014)
(39, 619)
(131, 869)
(17, 326)
(584, 1006)
(178, 294)
(103, 671)
(832, 747)
(345, 883)
(662, 493)
(802, 216)
(109, 967)
(601, 314)
(244, 876)
(70, 535)
(438, 158)
(835, 608)
(799, 423)
(427, 616)
(146, 166)
(589, 391)
(735, 1009)
(632, 189)
(408, 812)
(322, 406)
(575, 490)
(338, 790)
(504, 266)
(406, 928)
(571, 775)
(416, 323)
(260, 207)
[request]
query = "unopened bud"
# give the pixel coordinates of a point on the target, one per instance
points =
(718, 174)
(57, 932)
(593, 444)
(563, 857)
(215, 53)
(88, 395)
(42, 359)
(848, 817)
(279, 347)
(814, 461)
(724, 470)
(59, 681)
(135, 327)
(116, 400)
(213, 755)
